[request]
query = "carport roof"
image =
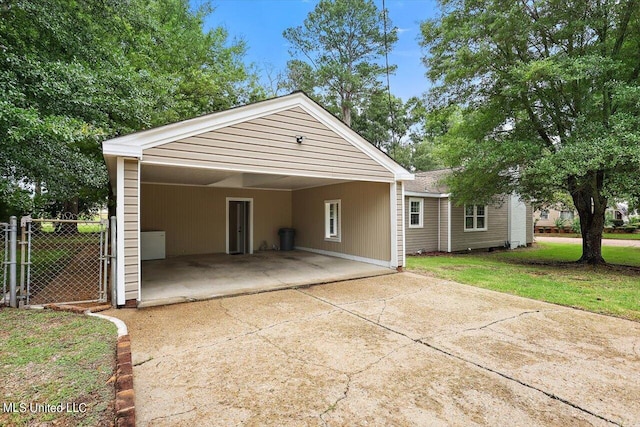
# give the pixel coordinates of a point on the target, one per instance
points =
(133, 145)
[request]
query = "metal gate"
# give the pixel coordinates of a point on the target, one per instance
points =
(4, 258)
(63, 260)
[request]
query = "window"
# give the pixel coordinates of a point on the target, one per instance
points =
(566, 215)
(544, 214)
(416, 213)
(332, 215)
(475, 218)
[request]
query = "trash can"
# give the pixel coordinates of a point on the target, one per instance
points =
(286, 238)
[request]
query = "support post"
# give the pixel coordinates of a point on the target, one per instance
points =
(112, 259)
(13, 243)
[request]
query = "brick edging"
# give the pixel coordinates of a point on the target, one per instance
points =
(125, 397)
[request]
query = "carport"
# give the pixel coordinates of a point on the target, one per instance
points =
(225, 183)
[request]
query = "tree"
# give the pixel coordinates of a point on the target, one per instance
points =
(74, 73)
(341, 43)
(549, 94)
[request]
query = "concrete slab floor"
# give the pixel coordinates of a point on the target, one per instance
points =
(201, 277)
(401, 350)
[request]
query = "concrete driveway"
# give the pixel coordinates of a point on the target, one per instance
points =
(578, 241)
(401, 349)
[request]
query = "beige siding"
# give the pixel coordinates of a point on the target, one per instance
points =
(268, 145)
(496, 235)
(529, 224)
(400, 226)
(365, 223)
(444, 225)
(424, 238)
(193, 218)
(131, 243)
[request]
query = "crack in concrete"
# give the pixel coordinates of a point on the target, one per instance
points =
(172, 415)
(500, 321)
(333, 406)
(350, 376)
(383, 299)
(384, 307)
(469, 361)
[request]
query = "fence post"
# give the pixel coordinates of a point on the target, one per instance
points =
(13, 242)
(114, 269)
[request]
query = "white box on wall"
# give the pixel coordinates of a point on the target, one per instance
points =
(152, 245)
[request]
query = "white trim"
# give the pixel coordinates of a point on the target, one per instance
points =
(393, 202)
(475, 219)
(432, 195)
(381, 263)
(327, 231)
(134, 144)
(420, 223)
(252, 170)
(120, 288)
(404, 230)
(120, 150)
(449, 225)
(439, 225)
(239, 199)
(139, 244)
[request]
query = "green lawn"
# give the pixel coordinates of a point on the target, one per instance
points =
(616, 236)
(56, 358)
(546, 273)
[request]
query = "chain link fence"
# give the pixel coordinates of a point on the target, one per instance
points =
(64, 260)
(4, 258)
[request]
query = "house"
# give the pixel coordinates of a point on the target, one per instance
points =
(552, 215)
(227, 182)
(435, 223)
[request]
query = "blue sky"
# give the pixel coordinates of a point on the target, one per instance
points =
(261, 23)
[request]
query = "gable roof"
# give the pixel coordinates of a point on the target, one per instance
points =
(429, 182)
(134, 144)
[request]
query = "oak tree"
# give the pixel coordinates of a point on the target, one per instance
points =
(548, 94)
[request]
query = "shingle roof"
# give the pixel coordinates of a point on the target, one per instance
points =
(428, 182)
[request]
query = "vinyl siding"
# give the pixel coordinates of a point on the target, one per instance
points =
(365, 223)
(268, 145)
(425, 238)
(131, 207)
(444, 225)
(496, 235)
(193, 218)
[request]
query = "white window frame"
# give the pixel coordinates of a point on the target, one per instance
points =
(333, 235)
(544, 214)
(420, 213)
(475, 218)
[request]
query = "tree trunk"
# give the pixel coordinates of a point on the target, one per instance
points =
(591, 206)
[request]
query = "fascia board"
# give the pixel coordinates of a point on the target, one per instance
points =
(420, 194)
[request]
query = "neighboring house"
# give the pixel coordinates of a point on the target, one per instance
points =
(228, 181)
(549, 216)
(435, 223)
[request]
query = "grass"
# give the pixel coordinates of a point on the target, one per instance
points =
(546, 273)
(616, 236)
(56, 358)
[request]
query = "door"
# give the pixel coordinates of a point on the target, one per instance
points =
(239, 226)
